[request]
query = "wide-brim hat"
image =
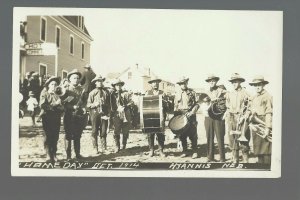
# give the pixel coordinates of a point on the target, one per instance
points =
(87, 66)
(212, 77)
(74, 71)
(258, 79)
(98, 78)
(30, 93)
(35, 74)
(182, 80)
(154, 79)
(118, 82)
(236, 77)
(52, 78)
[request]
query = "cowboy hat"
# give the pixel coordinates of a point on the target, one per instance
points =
(117, 82)
(258, 79)
(52, 78)
(154, 79)
(98, 78)
(211, 77)
(87, 66)
(236, 76)
(74, 71)
(182, 80)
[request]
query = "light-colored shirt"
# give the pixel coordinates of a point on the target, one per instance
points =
(262, 105)
(186, 100)
(235, 100)
(31, 104)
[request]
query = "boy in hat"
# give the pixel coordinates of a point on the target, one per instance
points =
(75, 113)
(185, 103)
(120, 108)
(235, 101)
(213, 126)
(99, 105)
(154, 82)
(262, 107)
(32, 105)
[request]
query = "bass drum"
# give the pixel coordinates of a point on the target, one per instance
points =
(179, 124)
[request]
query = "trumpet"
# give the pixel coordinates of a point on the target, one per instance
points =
(60, 91)
(258, 126)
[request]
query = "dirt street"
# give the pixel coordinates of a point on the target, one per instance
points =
(32, 149)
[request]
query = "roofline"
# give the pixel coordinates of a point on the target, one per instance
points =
(88, 37)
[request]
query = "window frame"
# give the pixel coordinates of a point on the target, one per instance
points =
(46, 66)
(57, 27)
(82, 52)
(72, 53)
(41, 20)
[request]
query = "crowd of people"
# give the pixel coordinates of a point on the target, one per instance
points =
(85, 95)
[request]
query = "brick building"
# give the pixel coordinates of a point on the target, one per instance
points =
(67, 33)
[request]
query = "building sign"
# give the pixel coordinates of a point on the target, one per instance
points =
(40, 49)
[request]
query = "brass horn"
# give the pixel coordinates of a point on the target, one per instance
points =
(60, 91)
(258, 126)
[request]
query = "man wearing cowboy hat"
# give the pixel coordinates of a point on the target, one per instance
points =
(75, 113)
(87, 76)
(99, 104)
(235, 101)
(154, 82)
(120, 110)
(185, 103)
(213, 126)
(262, 107)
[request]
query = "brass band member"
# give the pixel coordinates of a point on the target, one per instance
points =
(235, 101)
(213, 126)
(185, 103)
(52, 106)
(120, 103)
(160, 135)
(262, 107)
(74, 118)
(99, 106)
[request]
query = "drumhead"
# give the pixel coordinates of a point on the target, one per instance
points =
(178, 122)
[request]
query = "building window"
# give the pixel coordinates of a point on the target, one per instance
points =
(43, 29)
(71, 45)
(129, 75)
(43, 70)
(80, 22)
(64, 74)
(82, 50)
(57, 36)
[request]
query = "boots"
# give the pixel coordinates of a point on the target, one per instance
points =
(124, 142)
(245, 157)
(103, 144)
(235, 156)
(68, 148)
(95, 145)
(77, 148)
(117, 143)
(151, 152)
(161, 153)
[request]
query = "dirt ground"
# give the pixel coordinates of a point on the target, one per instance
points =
(31, 146)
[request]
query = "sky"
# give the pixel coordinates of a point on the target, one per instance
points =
(191, 43)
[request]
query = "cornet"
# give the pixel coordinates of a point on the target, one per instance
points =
(60, 91)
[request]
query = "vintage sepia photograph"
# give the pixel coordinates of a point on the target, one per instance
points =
(146, 93)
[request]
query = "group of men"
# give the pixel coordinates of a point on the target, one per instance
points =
(113, 106)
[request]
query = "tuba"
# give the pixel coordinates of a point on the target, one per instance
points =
(258, 127)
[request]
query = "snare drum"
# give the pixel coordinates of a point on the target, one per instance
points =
(179, 124)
